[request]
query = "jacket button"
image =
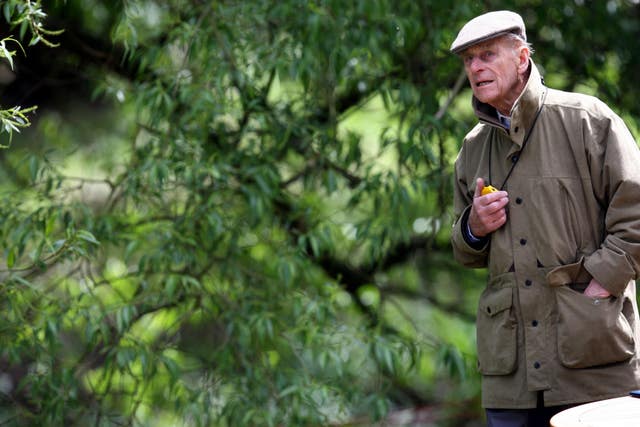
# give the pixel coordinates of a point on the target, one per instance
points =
(536, 365)
(523, 242)
(528, 282)
(534, 323)
(518, 200)
(514, 158)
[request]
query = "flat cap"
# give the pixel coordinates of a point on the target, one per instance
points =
(488, 26)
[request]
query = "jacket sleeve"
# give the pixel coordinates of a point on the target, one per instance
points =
(615, 173)
(463, 252)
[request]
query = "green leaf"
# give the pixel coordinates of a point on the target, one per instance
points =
(130, 249)
(172, 367)
(11, 258)
(7, 11)
(286, 271)
(331, 181)
(171, 285)
(23, 29)
(5, 53)
(288, 390)
(87, 237)
(33, 168)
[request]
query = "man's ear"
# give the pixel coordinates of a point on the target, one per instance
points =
(523, 59)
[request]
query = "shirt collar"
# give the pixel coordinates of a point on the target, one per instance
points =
(523, 111)
(505, 120)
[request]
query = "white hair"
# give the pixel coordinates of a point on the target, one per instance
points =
(519, 41)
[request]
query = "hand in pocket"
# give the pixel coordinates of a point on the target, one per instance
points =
(595, 290)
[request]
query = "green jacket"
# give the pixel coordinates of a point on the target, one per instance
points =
(573, 214)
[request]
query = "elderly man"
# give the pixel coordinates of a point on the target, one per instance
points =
(547, 197)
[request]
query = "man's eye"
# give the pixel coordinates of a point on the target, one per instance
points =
(487, 55)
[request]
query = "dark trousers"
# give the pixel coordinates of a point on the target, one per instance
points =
(534, 417)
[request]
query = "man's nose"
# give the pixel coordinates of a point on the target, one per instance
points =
(475, 64)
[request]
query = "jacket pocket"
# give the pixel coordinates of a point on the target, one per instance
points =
(592, 332)
(496, 332)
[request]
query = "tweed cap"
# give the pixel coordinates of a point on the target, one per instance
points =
(488, 26)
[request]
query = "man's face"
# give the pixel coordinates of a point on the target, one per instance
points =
(492, 69)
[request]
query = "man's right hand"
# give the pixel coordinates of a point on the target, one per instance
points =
(488, 212)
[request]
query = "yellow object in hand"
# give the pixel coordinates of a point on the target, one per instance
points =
(488, 189)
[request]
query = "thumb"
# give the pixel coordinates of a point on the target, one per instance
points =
(479, 187)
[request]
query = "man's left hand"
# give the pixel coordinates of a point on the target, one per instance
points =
(595, 290)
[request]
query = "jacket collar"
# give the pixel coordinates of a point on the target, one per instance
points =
(523, 112)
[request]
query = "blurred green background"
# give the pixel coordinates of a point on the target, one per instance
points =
(237, 213)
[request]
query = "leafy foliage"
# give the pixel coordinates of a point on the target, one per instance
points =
(247, 224)
(27, 15)
(12, 119)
